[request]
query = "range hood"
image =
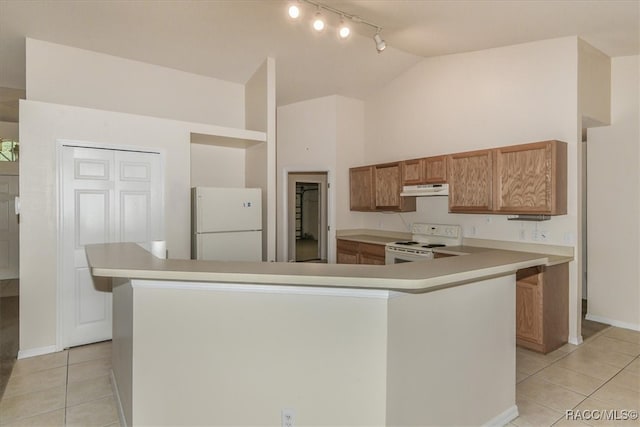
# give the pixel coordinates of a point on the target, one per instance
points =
(425, 190)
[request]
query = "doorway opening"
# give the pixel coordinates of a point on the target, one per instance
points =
(307, 216)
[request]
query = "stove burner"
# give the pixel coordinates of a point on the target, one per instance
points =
(409, 243)
(433, 245)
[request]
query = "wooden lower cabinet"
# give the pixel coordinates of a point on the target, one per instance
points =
(441, 255)
(371, 254)
(347, 252)
(350, 252)
(542, 307)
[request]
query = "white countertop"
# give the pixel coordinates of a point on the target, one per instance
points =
(129, 260)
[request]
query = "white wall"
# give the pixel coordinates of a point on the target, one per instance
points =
(214, 166)
(306, 143)
(260, 160)
(322, 134)
(41, 125)
(613, 194)
(66, 75)
(253, 353)
(350, 150)
(9, 130)
(594, 85)
(125, 103)
(491, 98)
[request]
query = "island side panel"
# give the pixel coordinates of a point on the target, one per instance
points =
(205, 357)
(452, 356)
(122, 345)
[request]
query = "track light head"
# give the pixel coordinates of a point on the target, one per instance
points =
(294, 10)
(318, 22)
(380, 44)
(343, 30)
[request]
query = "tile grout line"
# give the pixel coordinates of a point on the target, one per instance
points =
(593, 392)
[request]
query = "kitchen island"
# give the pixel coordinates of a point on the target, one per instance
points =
(236, 343)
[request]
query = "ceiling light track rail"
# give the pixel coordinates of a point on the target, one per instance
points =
(319, 23)
(354, 18)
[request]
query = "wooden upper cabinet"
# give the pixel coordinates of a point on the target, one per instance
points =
(532, 178)
(429, 170)
(519, 179)
(413, 172)
(387, 180)
(434, 170)
(361, 188)
(470, 178)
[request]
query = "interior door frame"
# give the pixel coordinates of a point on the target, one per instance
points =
(60, 144)
(330, 212)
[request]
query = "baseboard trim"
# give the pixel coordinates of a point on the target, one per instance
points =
(114, 387)
(39, 351)
(504, 418)
(613, 322)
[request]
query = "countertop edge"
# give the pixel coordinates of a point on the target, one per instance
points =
(135, 263)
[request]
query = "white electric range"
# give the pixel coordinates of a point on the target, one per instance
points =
(424, 238)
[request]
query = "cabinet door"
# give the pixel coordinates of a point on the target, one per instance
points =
(470, 178)
(361, 188)
(371, 254)
(412, 172)
(347, 252)
(529, 306)
(435, 170)
(388, 185)
(529, 178)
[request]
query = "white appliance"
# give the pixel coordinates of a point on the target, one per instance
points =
(424, 238)
(425, 190)
(226, 224)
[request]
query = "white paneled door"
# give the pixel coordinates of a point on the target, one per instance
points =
(107, 196)
(9, 235)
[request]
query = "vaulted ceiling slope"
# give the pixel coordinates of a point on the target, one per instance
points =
(228, 39)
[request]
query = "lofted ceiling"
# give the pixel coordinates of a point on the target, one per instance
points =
(229, 39)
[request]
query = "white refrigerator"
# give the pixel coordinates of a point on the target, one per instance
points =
(226, 224)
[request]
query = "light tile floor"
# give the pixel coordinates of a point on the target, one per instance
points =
(73, 387)
(67, 388)
(601, 374)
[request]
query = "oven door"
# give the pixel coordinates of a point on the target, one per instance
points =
(399, 256)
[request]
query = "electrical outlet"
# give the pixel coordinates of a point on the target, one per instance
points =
(540, 235)
(288, 417)
(568, 238)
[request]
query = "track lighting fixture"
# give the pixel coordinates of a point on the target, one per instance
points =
(380, 44)
(319, 22)
(343, 30)
(294, 10)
